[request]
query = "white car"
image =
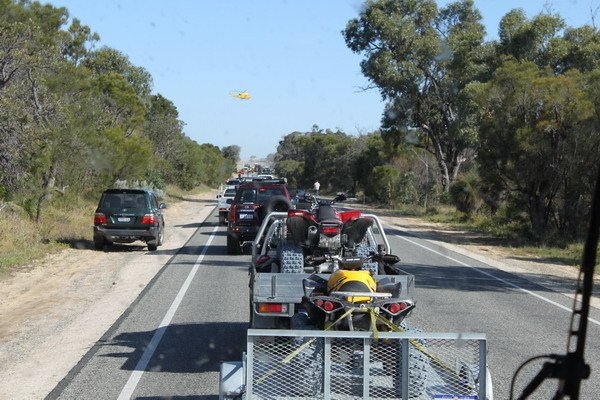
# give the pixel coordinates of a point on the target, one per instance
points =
(225, 200)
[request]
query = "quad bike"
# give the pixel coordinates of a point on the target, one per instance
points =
(316, 237)
(351, 299)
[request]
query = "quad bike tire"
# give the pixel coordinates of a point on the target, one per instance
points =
(363, 250)
(291, 258)
(276, 203)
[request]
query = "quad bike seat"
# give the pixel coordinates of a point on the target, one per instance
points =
(327, 215)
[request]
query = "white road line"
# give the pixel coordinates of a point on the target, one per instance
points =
(140, 367)
(493, 276)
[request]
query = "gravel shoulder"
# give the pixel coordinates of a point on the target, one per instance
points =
(55, 310)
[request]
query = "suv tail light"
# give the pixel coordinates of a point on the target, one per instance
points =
(231, 215)
(100, 218)
(149, 219)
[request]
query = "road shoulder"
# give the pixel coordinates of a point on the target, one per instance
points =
(54, 311)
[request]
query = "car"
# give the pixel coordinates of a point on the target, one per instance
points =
(233, 182)
(252, 202)
(224, 201)
(127, 215)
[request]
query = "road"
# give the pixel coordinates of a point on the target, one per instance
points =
(194, 314)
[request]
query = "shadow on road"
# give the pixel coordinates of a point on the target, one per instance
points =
(463, 278)
(185, 348)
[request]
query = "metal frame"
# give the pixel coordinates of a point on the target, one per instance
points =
(282, 215)
(483, 392)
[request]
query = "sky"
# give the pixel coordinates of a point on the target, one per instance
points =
(289, 55)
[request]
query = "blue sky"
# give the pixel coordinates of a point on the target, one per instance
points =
(290, 56)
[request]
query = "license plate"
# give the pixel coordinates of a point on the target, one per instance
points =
(123, 219)
(246, 216)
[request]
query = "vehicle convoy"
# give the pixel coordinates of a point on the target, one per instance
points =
(127, 215)
(252, 202)
(327, 310)
(224, 201)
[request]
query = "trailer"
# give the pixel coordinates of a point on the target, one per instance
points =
(280, 364)
(288, 358)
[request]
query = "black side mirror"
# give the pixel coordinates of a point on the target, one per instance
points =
(218, 196)
(162, 205)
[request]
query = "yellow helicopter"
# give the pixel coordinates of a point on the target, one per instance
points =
(241, 95)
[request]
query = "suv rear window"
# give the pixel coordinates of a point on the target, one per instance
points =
(229, 193)
(253, 195)
(123, 200)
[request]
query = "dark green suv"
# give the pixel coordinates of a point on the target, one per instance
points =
(127, 215)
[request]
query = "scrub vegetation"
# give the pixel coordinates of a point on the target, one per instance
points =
(506, 131)
(75, 119)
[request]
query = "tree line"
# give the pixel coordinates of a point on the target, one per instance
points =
(508, 127)
(75, 119)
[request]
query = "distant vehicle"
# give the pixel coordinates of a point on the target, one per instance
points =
(241, 95)
(265, 176)
(233, 182)
(224, 203)
(127, 215)
(252, 202)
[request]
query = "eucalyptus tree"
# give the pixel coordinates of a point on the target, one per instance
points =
(421, 58)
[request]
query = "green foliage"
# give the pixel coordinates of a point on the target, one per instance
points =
(72, 120)
(464, 196)
(421, 58)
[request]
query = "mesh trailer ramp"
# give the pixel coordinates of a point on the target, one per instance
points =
(310, 364)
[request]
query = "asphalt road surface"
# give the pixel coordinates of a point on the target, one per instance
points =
(194, 314)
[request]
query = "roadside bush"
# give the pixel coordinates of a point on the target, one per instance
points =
(465, 196)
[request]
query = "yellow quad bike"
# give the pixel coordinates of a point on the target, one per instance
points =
(352, 299)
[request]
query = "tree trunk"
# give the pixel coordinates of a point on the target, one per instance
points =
(47, 188)
(537, 216)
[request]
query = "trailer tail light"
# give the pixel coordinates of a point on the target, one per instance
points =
(148, 219)
(327, 305)
(266, 308)
(100, 218)
(395, 308)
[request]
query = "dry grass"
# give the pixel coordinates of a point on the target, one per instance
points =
(65, 222)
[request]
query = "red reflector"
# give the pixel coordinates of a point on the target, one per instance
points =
(397, 307)
(331, 230)
(148, 219)
(270, 308)
(319, 303)
(100, 218)
(328, 306)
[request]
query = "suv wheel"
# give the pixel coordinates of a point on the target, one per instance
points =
(233, 245)
(152, 246)
(98, 243)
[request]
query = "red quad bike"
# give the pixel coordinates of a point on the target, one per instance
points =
(318, 236)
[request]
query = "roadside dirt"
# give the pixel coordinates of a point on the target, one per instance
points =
(54, 310)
